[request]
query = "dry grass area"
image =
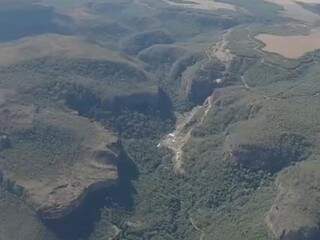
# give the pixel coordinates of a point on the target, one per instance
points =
(294, 10)
(291, 47)
(202, 4)
(52, 45)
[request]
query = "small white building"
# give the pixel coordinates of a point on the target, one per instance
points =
(171, 135)
(218, 80)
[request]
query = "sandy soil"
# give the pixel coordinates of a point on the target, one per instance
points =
(202, 4)
(291, 47)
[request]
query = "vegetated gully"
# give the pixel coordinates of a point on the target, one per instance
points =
(80, 223)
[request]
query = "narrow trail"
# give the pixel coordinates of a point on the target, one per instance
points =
(202, 233)
(243, 80)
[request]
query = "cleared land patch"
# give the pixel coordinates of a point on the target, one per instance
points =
(292, 47)
(294, 10)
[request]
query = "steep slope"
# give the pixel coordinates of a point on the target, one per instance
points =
(293, 215)
(67, 157)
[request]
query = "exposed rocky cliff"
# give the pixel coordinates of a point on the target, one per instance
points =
(295, 212)
(84, 158)
(271, 155)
